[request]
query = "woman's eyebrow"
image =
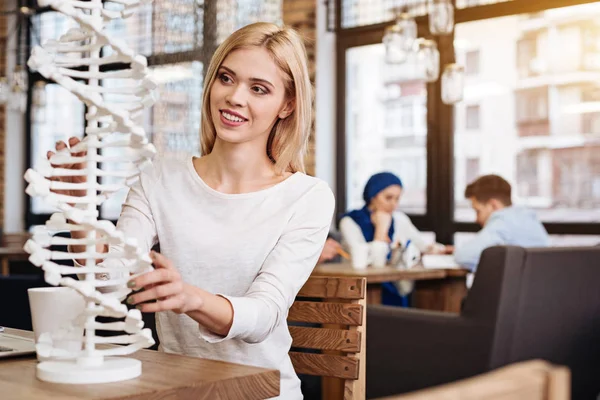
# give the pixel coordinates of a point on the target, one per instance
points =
(259, 80)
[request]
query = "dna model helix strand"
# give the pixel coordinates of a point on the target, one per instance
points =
(113, 120)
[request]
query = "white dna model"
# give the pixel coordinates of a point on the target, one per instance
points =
(74, 62)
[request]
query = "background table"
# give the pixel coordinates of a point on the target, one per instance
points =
(435, 289)
(164, 376)
(11, 248)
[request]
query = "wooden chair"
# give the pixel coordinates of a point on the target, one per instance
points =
(528, 380)
(339, 305)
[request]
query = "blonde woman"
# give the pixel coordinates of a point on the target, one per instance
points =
(240, 228)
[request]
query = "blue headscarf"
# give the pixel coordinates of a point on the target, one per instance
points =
(362, 217)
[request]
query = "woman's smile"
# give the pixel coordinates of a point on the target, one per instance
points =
(231, 118)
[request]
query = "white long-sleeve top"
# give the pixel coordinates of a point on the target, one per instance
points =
(255, 249)
(404, 230)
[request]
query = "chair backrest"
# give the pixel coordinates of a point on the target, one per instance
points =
(543, 303)
(552, 314)
(336, 308)
(529, 380)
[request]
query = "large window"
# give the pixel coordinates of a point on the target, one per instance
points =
(542, 135)
(530, 112)
(386, 126)
(174, 36)
(368, 12)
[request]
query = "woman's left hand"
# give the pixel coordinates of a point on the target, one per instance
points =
(164, 285)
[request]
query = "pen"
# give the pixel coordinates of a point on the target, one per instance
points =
(407, 243)
(343, 254)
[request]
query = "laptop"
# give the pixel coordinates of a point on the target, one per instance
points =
(12, 346)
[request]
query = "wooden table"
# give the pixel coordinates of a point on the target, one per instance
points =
(435, 289)
(11, 248)
(164, 376)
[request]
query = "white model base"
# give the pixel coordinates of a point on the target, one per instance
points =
(111, 370)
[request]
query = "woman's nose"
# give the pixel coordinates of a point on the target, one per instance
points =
(236, 96)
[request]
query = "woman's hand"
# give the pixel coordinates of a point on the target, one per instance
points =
(448, 249)
(381, 219)
(437, 248)
(382, 222)
(60, 145)
(164, 285)
(330, 251)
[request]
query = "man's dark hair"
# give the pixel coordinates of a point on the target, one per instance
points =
(488, 187)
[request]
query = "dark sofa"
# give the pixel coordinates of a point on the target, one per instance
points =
(524, 304)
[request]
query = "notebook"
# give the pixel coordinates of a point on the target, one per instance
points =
(436, 261)
(11, 346)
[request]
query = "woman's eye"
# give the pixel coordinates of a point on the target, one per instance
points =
(259, 90)
(224, 78)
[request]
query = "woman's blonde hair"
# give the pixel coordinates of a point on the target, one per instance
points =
(289, 137)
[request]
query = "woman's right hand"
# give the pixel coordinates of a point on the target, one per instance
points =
(382, 222)
(381, 219)
(60, 145)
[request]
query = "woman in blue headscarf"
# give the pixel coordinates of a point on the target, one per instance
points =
(379, 222)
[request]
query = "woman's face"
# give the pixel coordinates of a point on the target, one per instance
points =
(248, 96)
(387, 200)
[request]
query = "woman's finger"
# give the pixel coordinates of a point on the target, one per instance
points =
(158, 292)
(60, 145)
(172, 303)
(161, 261)
(49, 155)
(162, 275)
(73, 141)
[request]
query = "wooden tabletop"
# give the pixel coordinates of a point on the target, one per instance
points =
(11, 244)
(164, 376)
(387, 274)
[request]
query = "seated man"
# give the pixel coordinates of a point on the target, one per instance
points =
(502, 223)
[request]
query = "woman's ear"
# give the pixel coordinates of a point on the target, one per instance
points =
(287, 109)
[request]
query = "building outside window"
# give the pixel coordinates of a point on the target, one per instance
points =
(473, 117)
(544, 135)
(386, 125)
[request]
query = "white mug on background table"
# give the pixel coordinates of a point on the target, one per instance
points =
(374, 253)
(359, 254)
(379, 253)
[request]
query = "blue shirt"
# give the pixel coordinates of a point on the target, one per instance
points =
(515, 226)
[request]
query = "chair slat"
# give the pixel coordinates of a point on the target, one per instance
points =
(334, 288)
(326, 313)
(325, 365)
(325, 339)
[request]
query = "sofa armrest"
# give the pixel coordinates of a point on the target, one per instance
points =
(410, 349)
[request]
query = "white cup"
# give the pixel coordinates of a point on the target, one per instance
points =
(360, 255)
(53, 308)
(379, 253)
